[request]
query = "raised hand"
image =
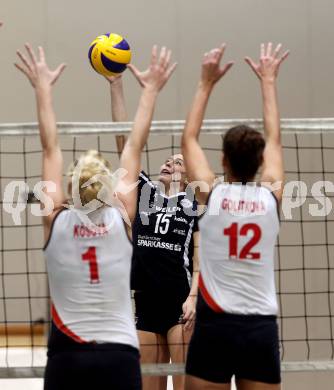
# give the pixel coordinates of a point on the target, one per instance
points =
(36, 69)
(114, 79)
(189, 311)
(269, 62)
(212, 72)
(158, 72)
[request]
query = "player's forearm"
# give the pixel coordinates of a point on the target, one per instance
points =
(194, 284)
(143, 119)
(195, 275)
(197, 112)
(46, 119)
(271, 116)
(118, 109)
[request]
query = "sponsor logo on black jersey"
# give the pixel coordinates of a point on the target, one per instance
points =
(180, 232)
(156, 242)
(181, 219)
(186, 203)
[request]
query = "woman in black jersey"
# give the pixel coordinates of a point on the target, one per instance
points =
(164, 274)
(93, 342)
(236, 330)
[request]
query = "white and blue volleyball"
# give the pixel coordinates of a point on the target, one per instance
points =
(109, 54)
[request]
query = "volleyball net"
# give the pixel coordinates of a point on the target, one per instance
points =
(304, 267)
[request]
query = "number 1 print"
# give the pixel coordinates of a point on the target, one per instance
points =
(90, 256)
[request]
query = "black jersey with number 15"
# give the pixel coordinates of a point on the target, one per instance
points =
(163, 239)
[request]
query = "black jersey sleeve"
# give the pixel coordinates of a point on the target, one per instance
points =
(143, 179)
(146, 192)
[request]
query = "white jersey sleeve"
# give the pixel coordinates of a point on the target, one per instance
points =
(238, 233)
(89, 278)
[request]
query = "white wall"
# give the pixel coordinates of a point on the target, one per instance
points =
(65, 29)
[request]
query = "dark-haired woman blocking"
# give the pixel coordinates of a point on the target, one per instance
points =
(236, 331)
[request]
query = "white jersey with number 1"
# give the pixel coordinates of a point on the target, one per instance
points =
(89, 277)
(237, 243)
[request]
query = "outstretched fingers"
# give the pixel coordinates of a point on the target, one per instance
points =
(36, 69)
(163, 57)
(154, 55)
(135, 72)
(132, 69)
(212, 72)
(22, 69)
(164, 62)
(221, 51)
(24, 59)
(277, 50)
(171, 70)
(214, 56)
(269, 49)
(284, 57)
(226, 67)
(252, 64)
(41, 54)
(159, 70)
(58, 72)
(168, 58)
(31, 54)
(269, 62)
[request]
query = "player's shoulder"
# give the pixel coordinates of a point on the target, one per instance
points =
(143, 176)
(57, 222)
(186, 201)
(61, 213)
(188, 204)
(144, 179)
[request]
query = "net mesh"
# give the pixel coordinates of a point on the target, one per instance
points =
(304, 253)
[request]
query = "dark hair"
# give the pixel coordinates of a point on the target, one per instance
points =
(243, 149)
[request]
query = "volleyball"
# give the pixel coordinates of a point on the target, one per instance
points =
(109, 54)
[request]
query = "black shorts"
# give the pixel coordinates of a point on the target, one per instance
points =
(101, 366)
(158, 313)
(224, 345)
